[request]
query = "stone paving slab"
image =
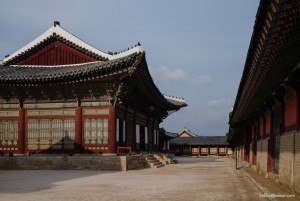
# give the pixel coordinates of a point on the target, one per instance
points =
(271, 189)
(191, 179)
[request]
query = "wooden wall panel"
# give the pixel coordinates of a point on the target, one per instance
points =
(56, 53)
(290, 113)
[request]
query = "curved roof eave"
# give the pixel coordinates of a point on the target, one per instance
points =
(145, 78)
(275, 33)
(19, 74)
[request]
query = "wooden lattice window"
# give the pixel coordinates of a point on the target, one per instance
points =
(222, 150)
(8, 132)
(213, 150)
(195, 149)
(96, 131)
(203, 149)
(51, 129)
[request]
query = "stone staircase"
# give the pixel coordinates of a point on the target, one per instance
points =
(153, 162)
(163, 158)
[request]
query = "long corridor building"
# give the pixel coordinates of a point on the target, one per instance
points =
(265, 121)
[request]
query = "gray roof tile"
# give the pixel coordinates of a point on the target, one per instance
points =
(200, 140)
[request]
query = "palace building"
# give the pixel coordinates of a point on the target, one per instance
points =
(265, 121)
(61, 95)
(187, 143)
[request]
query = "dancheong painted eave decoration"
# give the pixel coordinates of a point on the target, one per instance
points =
(272, 58)
(59, 94)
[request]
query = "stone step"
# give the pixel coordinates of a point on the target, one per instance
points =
(155, 165)
(152, 162)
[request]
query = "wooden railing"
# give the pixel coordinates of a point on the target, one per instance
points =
(123, 150)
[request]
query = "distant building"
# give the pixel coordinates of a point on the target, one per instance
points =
(188, 143)
(186, 133)
(59, 94)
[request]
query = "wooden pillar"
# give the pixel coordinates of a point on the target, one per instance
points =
(298, 109)
(282, 125)
(150, 134)
(137, 136)
(118, 132)
(271, 146)
(146, 138)
(133, 140)
(21, 132)
(112, 130)
(78, 131)
(124, 133)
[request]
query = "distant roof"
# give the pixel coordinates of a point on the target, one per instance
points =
(171, 135)
(188, 132)
(200, 140)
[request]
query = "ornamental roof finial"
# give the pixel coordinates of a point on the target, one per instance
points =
(56, 23)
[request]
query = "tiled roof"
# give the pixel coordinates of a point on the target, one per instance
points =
(171, 135)
(129, 62)
(273, 53)
(175, 100)
(200, 140)
(44, 74)
(59, 33)
(133, 65)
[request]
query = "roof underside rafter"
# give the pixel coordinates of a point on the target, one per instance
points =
(271, 56)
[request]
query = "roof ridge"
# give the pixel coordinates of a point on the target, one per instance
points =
(57, 31)
(53, 31)
(82, 40)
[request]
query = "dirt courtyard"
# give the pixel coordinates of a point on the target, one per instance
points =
(191, 179)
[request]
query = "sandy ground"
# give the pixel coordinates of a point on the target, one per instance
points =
(191, 179)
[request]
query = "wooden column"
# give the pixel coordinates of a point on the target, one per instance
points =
(79, 131)
(112, 130)
(298, 109)
(271, 146)
(118, 132)
(137, 137)
(21, 132)
(146, 138)
(150, 134)
(133, 126)
(124, 132)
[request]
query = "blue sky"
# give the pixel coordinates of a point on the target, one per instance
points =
(195, 49)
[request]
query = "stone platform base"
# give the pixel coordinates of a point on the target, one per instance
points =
(75, 162)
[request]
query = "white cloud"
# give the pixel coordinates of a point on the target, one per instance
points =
(170, 74)
(220, 102)
(201, 80)
(167, 74)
